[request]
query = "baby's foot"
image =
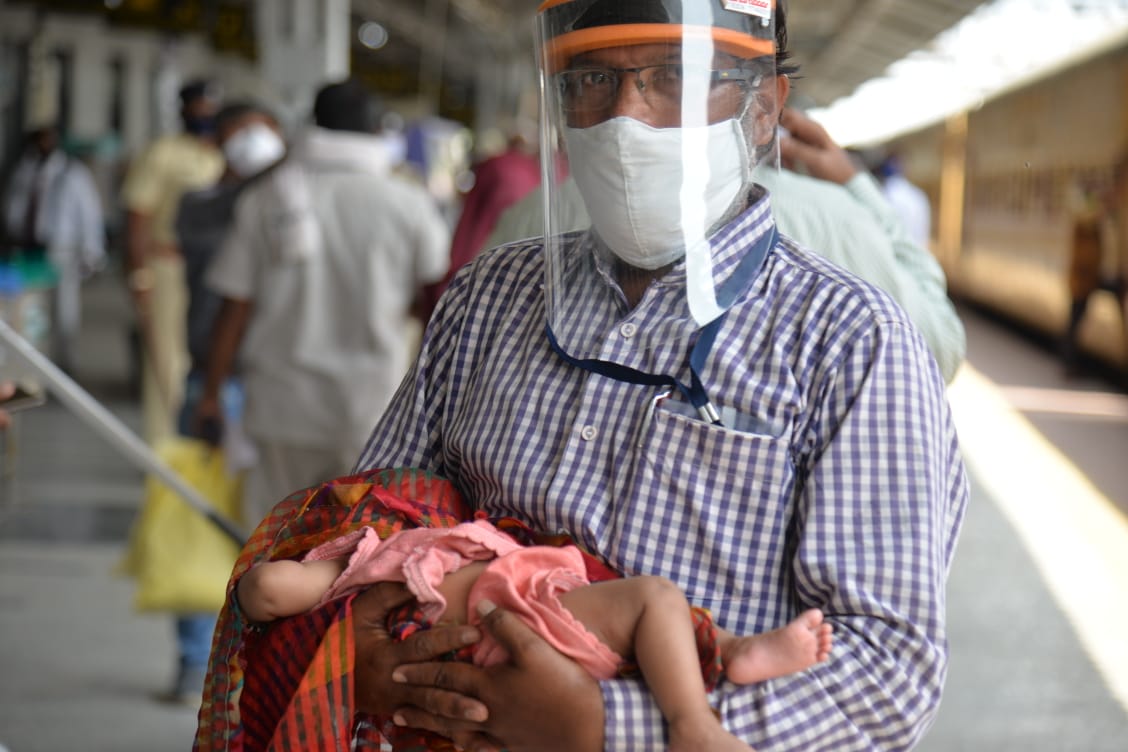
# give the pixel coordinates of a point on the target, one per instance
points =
(800, 644)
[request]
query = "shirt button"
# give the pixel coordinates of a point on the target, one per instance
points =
(588, 433)
(628, 330)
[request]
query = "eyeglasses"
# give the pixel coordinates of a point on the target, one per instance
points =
(591, 89)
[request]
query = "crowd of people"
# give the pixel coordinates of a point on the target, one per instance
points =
(672, 462)
(272, 279)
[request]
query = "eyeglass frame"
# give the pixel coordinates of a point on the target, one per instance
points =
(747, 75)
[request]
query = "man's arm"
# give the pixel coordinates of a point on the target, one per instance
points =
(232, 275)
(138, 237)
(140, 193)
(875, 525)
(227, 336)
(7, 389)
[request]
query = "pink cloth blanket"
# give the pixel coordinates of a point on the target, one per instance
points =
(525, 580)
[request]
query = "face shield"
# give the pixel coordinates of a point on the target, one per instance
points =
(654, 113)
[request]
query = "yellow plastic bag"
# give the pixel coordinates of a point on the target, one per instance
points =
(180, 559)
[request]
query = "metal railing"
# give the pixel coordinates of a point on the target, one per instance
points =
(110, 428)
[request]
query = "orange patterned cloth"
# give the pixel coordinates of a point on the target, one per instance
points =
(288, 687)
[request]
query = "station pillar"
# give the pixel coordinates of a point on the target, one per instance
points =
(302, 45)
(89, 92)
(953, 188)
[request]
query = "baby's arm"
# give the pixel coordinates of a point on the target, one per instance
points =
(275, 589)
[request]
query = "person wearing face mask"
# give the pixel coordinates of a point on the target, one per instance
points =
(318, 278)
(248, 137)
(154, 268)
(685, 392)
(251, 142)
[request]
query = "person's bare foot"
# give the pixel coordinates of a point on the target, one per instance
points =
(800, 644)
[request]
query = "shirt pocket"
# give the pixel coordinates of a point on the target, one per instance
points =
(709, 507)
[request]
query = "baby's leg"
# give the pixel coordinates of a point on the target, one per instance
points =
(800, 644)
(648, 617)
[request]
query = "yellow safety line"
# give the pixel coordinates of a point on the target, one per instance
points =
(1076, 536)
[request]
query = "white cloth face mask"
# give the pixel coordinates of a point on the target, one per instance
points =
(253, 149)
(632, 177)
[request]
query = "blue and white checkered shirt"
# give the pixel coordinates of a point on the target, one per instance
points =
(836, 482)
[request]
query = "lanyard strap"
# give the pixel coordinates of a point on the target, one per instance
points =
(694, 393)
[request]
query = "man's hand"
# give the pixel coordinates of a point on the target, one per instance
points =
(207, 421)
(807, 145)
(378, 654)
(7, 389)
(539, 700)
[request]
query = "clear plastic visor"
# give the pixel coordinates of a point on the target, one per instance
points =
(654, 114)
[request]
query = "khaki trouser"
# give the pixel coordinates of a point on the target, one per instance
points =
(165, 348)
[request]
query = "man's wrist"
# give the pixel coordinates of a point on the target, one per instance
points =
(140, 280)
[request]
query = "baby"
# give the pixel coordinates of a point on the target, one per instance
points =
(600, 624)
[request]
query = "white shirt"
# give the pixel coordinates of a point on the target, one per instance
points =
(68, 217)
(327, 343)
(912, 206)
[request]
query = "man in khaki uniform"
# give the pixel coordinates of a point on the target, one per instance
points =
(157, 179)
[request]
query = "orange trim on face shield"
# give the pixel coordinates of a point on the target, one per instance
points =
(560, 50)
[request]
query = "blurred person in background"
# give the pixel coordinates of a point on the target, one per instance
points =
(250, 140)
(909, 202)
(1086, 216)
(499, 182)
(327, 257)
(53, 212)
(1118, 201)
(825, 201)
(1093, 257)
(151, 193)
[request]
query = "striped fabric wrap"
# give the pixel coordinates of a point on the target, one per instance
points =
(288, 686)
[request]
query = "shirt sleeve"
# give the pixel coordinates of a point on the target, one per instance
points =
(875, 529)
(926, 295)
(232, 273)
(92, 225)
(144, 182)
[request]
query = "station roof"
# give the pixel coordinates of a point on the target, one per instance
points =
(839, 44)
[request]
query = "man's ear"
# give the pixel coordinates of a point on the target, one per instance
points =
(783, 90)
(767, 116)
